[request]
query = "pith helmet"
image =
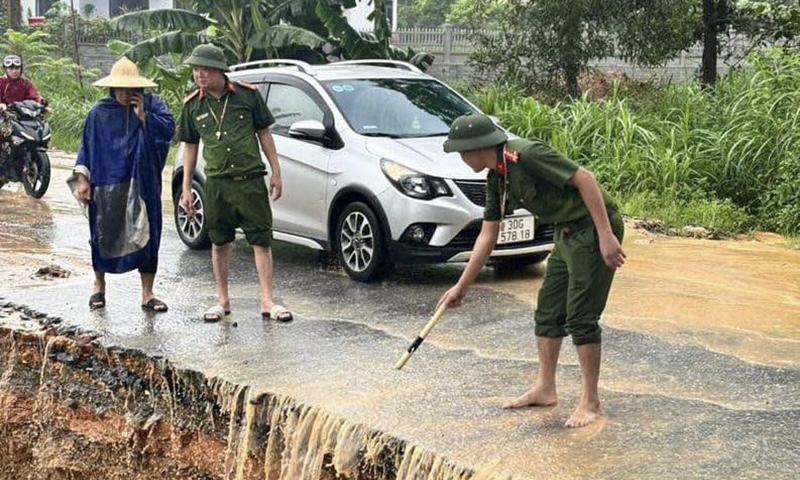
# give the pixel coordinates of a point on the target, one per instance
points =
(124, 74)
(208, 55)
(471, 132)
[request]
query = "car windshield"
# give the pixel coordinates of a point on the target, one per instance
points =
(397, 107)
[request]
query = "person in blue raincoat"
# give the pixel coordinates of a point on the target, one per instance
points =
(118, 176)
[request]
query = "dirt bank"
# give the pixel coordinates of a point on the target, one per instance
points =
(71, 408)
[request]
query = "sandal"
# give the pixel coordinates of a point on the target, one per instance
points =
(97, 300)
(155, 305)
(215, 314)
(279, 313)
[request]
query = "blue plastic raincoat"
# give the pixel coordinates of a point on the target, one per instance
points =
(125, 161)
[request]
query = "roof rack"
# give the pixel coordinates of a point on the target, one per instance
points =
(302, 66)
(381, 62)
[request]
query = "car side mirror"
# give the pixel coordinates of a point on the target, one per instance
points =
(308, 130)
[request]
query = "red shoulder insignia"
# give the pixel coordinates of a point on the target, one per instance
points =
(511, 155)
(190, 96)
(246, 85)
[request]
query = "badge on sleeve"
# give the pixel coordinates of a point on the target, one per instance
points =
(511, 155)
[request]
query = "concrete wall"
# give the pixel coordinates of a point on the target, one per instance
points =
(97, 56)
(682, 68)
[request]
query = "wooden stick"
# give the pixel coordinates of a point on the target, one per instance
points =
(418, 341)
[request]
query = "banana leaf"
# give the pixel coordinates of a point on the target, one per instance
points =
(179, 43)
(280, 36)
(164, 19)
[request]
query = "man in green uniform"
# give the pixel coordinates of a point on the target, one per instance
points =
(231, 119)
(588, 230)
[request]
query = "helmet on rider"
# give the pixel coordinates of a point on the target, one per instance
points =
(12, 61)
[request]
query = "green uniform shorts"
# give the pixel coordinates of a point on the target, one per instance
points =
(238, 204)
(576, 285)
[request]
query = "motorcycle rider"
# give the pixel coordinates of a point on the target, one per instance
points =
(13, 86)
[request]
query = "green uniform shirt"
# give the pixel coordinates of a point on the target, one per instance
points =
(537, 181)
(236, 116)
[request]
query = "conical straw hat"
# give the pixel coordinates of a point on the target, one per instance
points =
(124, 74)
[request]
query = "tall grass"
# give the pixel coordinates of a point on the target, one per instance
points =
(734, 148)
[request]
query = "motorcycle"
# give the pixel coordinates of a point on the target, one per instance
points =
(23, 148)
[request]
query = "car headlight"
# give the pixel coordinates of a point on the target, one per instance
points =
(414, 184)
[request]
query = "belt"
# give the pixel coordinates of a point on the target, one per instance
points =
(584, 222)
(248, 176)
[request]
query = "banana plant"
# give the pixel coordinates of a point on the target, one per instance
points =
(355, 45)
(240, 28)
(252, 29)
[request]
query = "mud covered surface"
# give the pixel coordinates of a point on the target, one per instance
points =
(700, 376)
(71, 408)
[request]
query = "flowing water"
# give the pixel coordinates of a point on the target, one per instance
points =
(701, 366)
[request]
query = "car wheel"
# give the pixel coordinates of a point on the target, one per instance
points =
(360, 244)
(192, 229)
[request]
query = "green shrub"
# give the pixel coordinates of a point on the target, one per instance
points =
(734, 148)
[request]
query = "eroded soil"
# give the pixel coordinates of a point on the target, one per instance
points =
(740, 298)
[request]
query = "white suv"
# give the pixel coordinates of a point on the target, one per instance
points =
(364, 173)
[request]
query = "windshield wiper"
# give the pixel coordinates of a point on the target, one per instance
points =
(385, 135)
(407, 135)
(425, 135)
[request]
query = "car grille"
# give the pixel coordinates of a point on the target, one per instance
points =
(475, 190)
(465, 239)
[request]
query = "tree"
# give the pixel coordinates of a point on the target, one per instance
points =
(759, 22)
(239, 27)
(548, 43)
(352, 44)
(476, 12)
(771, 21)
(13, 13)
(250, 30)
(424, 13)
(88, 10)
(712, 23)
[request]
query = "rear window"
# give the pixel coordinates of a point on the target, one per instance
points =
(399, 108)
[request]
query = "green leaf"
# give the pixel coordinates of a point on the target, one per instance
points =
(118, 46)
(171, 42)
(357, 45)
(164, 19)
(285, 35)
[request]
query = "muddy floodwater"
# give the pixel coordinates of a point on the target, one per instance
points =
(737, 297)
(700, 375)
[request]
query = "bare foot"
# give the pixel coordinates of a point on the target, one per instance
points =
(585, 414)
(535, 397)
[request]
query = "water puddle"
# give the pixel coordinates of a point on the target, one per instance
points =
(735, 297)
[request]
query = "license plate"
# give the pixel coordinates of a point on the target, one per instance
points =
(516, 229)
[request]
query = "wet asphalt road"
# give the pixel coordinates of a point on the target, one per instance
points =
(676, 408)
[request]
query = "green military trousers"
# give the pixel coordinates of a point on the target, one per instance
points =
(576, 284)
(234, 204)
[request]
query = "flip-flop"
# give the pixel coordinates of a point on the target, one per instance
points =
(279, 313)
(155, 305)
(97, 300)
(215, 314)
